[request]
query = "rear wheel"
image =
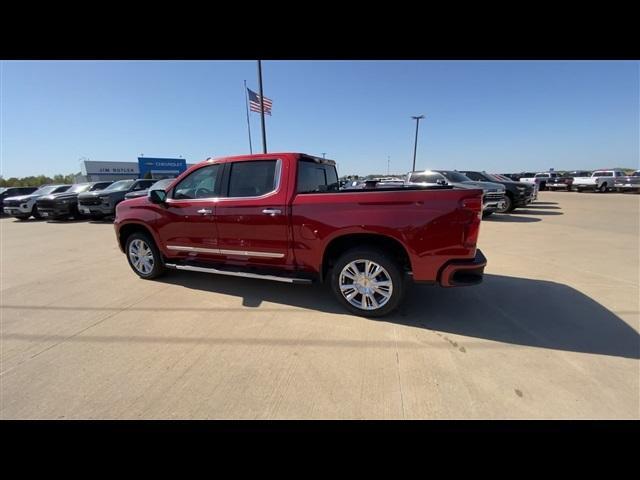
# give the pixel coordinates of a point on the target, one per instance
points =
(143, 256)
(603, 188)
(34, 212)
(367, 282)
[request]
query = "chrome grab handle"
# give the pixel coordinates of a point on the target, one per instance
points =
(205, 211)
(272, 211)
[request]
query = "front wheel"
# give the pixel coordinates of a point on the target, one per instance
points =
(508, 205)
(603, 187)
(143, 256)
(367, 282)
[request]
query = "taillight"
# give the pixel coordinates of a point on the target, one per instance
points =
(473, 205)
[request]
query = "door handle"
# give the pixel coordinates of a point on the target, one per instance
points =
(205, 211)
(272, 211)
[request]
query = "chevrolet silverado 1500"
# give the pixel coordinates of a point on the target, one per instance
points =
(282, 217)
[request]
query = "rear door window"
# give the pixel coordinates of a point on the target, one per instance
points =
(252, 178)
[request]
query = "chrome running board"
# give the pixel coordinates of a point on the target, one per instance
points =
(238, 274)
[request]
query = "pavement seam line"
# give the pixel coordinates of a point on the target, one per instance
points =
(82, 331)
(395, 337)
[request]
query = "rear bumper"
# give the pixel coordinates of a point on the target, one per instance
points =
(626, 186)
(462, 273)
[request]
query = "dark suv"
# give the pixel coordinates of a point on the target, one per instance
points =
(103, 203)
(65, 204)
(517, 194)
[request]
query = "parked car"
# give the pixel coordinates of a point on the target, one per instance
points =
(282, 217)
(565, 180)
(160, 184)
(517, 194)
(600, 180)
(65, 205)
(24, 206)
(630, 183)
(6, 192)
(530, 178)
(103, 203)
(493, 198)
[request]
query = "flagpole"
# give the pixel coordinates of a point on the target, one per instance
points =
(264, 131)
(246, 101)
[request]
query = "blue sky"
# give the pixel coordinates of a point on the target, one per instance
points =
(501, 116)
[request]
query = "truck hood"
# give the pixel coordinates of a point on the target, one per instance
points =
(60, 196)
(486, 186)
(22, 198)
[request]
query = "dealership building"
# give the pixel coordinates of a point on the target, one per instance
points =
(145, 167)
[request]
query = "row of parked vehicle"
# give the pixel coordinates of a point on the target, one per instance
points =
(501, 194)
(95, 200)
(582, 180)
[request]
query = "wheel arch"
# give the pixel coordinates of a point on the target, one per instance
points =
(128, 229)
(341, 243)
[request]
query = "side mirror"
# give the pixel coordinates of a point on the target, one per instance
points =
(157, 196)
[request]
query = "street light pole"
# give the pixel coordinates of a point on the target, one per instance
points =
(415, 145)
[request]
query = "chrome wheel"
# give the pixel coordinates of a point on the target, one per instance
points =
(141, 256)
(365, 284)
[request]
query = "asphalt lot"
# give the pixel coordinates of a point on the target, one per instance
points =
(551, 333)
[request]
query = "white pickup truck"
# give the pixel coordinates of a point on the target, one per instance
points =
(531, 179)
(600, 180)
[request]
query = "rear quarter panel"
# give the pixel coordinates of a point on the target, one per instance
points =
(430, 224)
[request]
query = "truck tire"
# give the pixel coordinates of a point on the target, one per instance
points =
(603, 188)
(509, 206)
(143, 256)
(367, 282)
(34, 213)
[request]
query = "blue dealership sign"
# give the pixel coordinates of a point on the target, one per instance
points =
(161, 167)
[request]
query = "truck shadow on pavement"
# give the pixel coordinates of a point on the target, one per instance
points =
(496, 310)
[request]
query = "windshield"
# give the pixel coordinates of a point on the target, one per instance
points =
(119, 186)
(454, 176)
(45, 190)
(79, 188)
(498, 178)
(425, 177)
(602, 174)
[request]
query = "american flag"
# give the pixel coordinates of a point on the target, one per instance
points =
(254, 102)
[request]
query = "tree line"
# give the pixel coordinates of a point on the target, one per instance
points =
(36, 181)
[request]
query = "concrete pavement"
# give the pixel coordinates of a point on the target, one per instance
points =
(551, 333)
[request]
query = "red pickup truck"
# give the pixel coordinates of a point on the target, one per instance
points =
(283, 217)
